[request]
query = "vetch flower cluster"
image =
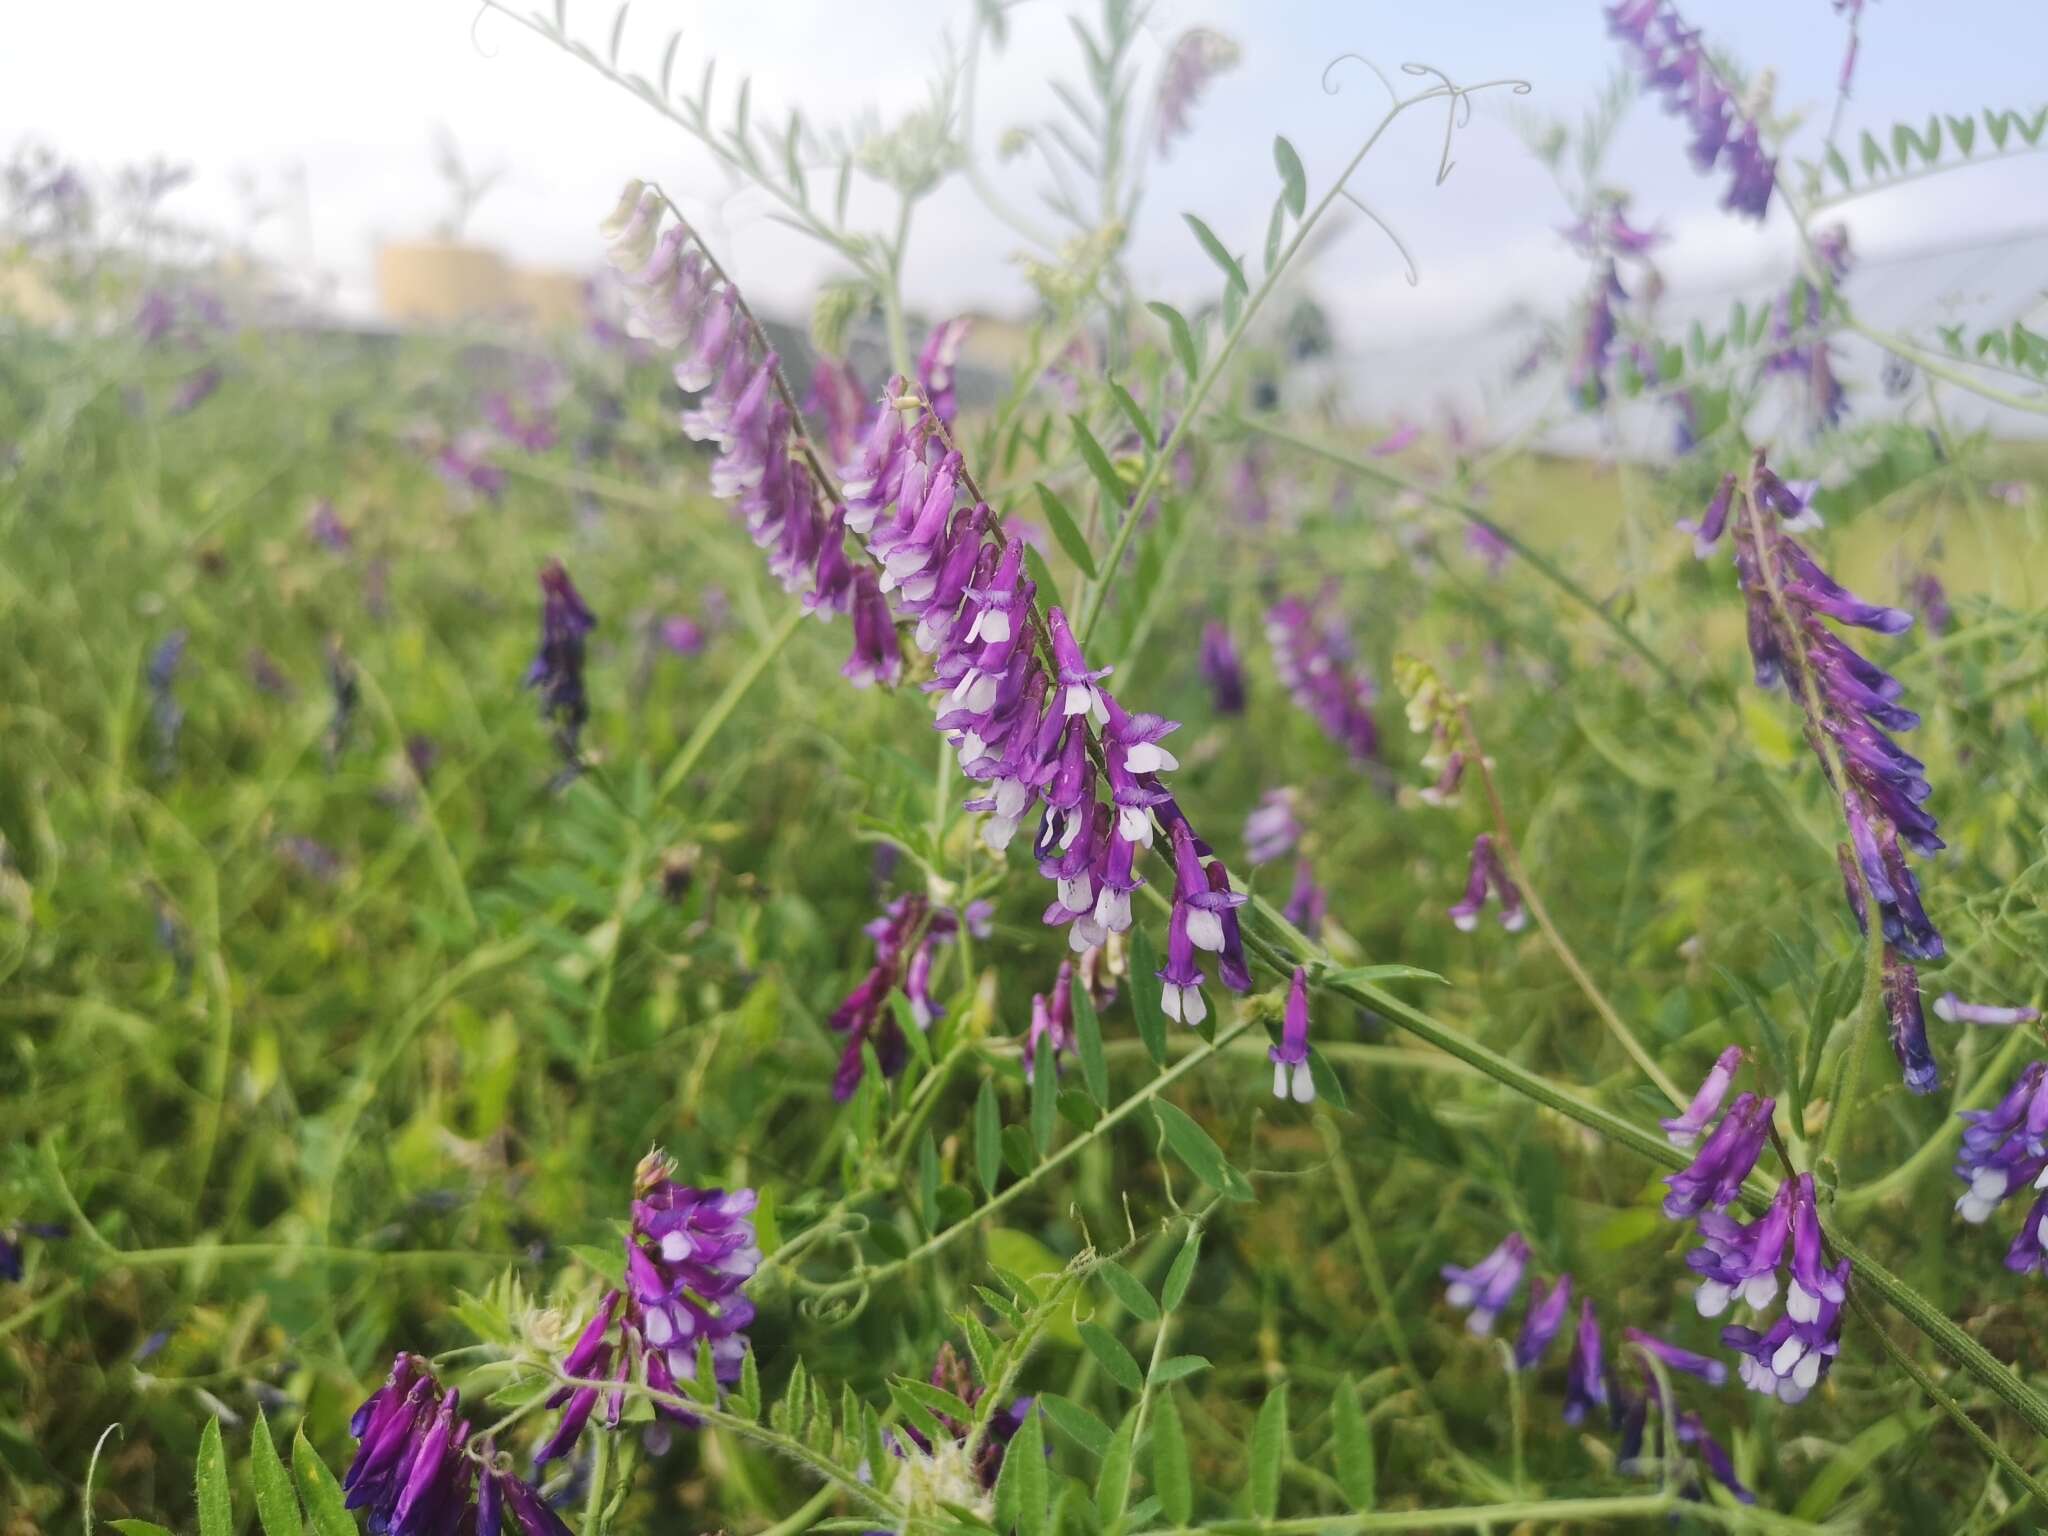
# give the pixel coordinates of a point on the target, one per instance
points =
(1675, 65)
(1222, 669)
(1051, 1022)
(1797, 314)
(1849, 704)
(1198, 56)
(415, 1474)
(1312, 654)
(907, 938)
(2005, 1150)
(557, 670)
(689, 1254)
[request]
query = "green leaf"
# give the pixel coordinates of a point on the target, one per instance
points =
(319, 1492)
(1195, 1147)
(1378, 973)
(1356, 1472)
(1176, 1367)
(277, 1508)
(1113, 1357)
(1065, 529)
(1045, 1081)
(140, 1528)
(1293, 179)
(1114, 1485)
(1033, 1498)
(928, 1182)
(1873, 157)
(1175, 1291)
(1041, 573)
(1233, 274)
(1269, 1450)
(1185, 351)
(1145, 994)
(1088, 1043)
(1134, 414)
(1075, 1422)
(1170, 1480)
(216, 1515)
(988, 1136)
(1126, 1288)
(1113, 489)
(1276, 228)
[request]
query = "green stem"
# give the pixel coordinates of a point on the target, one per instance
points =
(864, 1278)
(600, 1469)
(1936, 1147)
(1539, 563)
(1552, 1514)
(722, 707)
(1199, 388)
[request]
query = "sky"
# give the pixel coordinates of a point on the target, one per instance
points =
(329, 113)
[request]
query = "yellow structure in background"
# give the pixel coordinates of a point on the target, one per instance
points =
(438, 282)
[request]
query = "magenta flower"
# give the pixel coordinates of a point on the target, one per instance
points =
(1312, 655)
(1291, 1076)
(1487, 874)
(1540, 1324)
(937, 363)
(1685, 1129)
(1723, 1161)
(1585, 1385)
(1222, 669)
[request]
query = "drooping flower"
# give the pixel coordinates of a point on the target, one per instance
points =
(194, 390)
(1692, 1431)
(905, 936)
(1271, 831)
(464, 465)
(1311, 652)
(1052, 1022)
(2005, 1148)
(1487, 874)
(166, 714)
(1197, 56)
(1882, 789)
(1585, 1385)
(1724, 1160)
(557, 670)
(1674, 1357)
(1540, 1324)
(325, 528)
(1706, 1103)
(1675, 65)
(1909, 1026)
(1951, 1009)
(1788, 1360)
(1291, 1076)
(836, 396)
(1222, 669)
(1488, 1286)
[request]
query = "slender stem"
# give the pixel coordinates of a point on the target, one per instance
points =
(1936, 1147)
(1471, 513)
(600, 1471)
(1550, 1514)
(864, 1278)
(1504, 841)
(1199, 388)
(722, 707)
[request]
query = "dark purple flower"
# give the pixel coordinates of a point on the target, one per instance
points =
(557, 670)
(1788, 1359)
(194, 390)
(681, 635)
(1675, 66)
(1585, 1384)
(1051, 1022)
(1222, 669)
(1291, 1076)
(1723, 1161)
(1692, 1431)
(1547, 1306)
(326, 529)
(463, 463)
(1741, 1261)
(1488, 1286)
(1909, 1026)
(2005, 1147)
(411, 1469)
(1685, 1129)
(166, 714)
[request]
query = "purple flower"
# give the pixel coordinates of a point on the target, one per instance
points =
(1311, 654)
(836, 395)
(1883, 791)
(1197, 56)
(1692, 1430)
(1271, 831)
(1051, 1022)
(1487, 873)
(2005, 1147)
(1308, 903)
(535, 432)
(682, 635)
(1685, 1129)
(1402, 438)
(1547, 1305)
(464, 464)
(1488, 1286)
(1707, 1369)
(1741, 1261)
(1585, 1383)
(1675, 66)
(1951, 1009)
(1291, 1075)
(557, 670)
(937, 362)
(194, 390)
(166, 714)
(1723, 1161)
(1484, 543)
(1788, 1359)
(326, 529)
(1222, 669)
(1909, 1026)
